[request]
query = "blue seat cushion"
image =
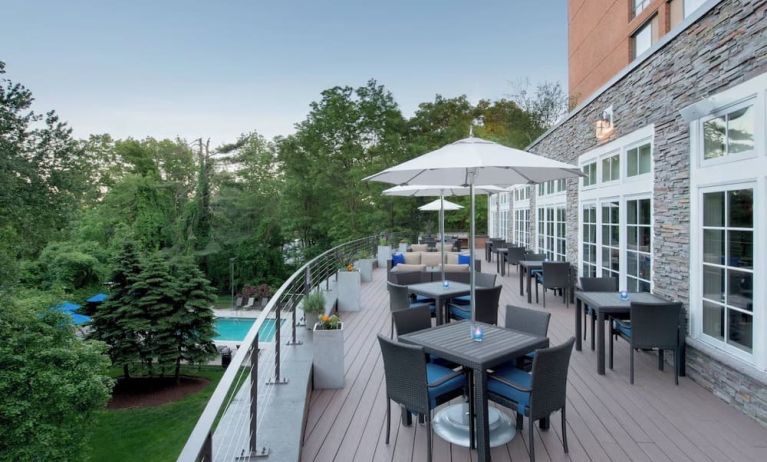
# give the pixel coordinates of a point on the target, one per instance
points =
(459, 312)
(432, 307)
(517, 376)
(464, 259)
(435, 372)
(396, 259)
(624, 327)
(462, 300)
(422, 299)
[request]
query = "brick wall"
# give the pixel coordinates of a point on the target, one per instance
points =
(725, 47)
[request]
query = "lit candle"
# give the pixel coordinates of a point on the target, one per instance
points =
(624, 295)
(476, 333)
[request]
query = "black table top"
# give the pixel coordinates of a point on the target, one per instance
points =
(611, 301)
(453, 342)
(437, 290)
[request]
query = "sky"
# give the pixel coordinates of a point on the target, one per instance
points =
(216, 69)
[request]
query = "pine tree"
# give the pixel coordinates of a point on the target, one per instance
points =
(192, 321)
(111, 322)
(156, 293)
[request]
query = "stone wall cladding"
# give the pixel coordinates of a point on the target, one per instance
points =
(725, 47)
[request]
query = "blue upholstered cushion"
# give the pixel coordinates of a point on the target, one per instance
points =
(463, 300)
(624, 327)
(464, 259)
(514, 375)
(396, 259)
(422, 299)
(459, 312)
(432, 307)
(435, 372)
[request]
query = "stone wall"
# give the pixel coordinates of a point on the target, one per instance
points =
(725, 47)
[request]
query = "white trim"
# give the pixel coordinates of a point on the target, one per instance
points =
(737, 171)
(671, 35)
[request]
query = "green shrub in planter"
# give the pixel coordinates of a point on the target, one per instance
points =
(314, 306)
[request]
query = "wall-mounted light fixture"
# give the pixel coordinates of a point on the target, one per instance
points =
(604, 125)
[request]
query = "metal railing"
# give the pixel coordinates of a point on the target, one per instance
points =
(225, 412)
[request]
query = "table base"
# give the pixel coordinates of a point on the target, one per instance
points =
(452, 425)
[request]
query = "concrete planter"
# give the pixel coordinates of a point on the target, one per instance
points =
(349, 290)
(365, 267)
(328, 364)
(311, 319)
(384, 253)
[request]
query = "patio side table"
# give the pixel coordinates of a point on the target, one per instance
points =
(440, 294)
(525, 267)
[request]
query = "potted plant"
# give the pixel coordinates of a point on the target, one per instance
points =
(349, 291)
(314, 306)
(364, 265)
(264, 292)
(384, 252)
(403, 245)
(328, 363)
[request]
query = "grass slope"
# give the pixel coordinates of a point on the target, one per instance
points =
(154, 433)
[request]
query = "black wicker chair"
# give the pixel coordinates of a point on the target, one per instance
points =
(595, 285)
(536, 394)
(483, 280)
(399, 300)
(532, 322)
(652, 325)
(514, 255)
(486, 306)
(554, 275)
(406, 278)
(415, 384)
(454, 276)
(531, 256)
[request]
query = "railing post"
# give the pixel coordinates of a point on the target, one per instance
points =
(277, 380)
(206, 454)
(293, 340)
(253, 450)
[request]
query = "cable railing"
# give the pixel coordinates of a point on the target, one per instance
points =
(228, 428)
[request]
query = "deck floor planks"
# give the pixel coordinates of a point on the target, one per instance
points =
(608, 419)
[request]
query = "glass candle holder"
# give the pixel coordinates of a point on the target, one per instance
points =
(446, 283)
(477, 333)
(623, 295)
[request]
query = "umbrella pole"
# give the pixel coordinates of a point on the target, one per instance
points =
(471, 254)
(442, 234)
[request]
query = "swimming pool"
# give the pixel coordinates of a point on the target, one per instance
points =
(235, 329)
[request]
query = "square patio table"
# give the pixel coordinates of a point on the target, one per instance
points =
(525, 267)
(453, 342)
(440, 294)
(610, 303)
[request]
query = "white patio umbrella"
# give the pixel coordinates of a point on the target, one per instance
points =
(440, 204)
(474, 161)
(441, 191)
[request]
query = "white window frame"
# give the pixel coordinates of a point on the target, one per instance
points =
(625, 165)
(741, 171)
(601, 168)
(751, 100)
(522, 205)
(647, 26)
(623, 190)
(581, 243)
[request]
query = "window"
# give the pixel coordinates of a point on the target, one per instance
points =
(551, 187)
(639, 160)
(611, 168)
(729, 133)
(590, 170)
(552, 239)
(611, 231)
(638, 247)
(522, 227)
(728, 267)
(589, 240)
(642, 40)
(640, 5)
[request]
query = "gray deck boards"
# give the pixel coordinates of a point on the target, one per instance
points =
(608, 419)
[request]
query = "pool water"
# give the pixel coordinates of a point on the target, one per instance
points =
(235, 329)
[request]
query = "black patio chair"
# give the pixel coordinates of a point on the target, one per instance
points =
(406, 278)
(482, 280)
(514, 255)
(454, 276)
(486, 306)
(595, 285)
(536, 394)
(399, 300)
(532, 256)
(554, 275)
(415, 384)
(530, 321)
(652, 325)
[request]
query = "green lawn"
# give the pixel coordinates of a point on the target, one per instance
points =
(150, 434)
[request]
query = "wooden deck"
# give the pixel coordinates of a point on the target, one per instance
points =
(608, 419)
